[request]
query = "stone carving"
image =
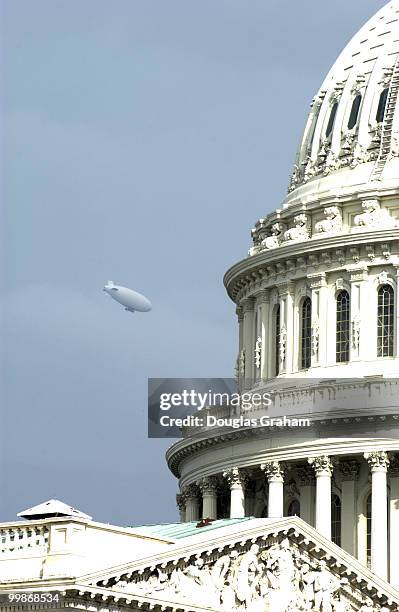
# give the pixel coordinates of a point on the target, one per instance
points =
(181, 501)
(332, 224)
(274, 579)
(300, 231)
(377, 460)
(258, 352)
(356, 332)
(322, 465)
(241, 363)
(349, 470)
(359, 155)
(295, 179)
(236, 477)
(315, 337)
(273, 241)
(207, 485)
(373, 217)
(274, 471)
(283, 343)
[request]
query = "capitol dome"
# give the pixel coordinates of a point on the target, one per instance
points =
(318, 319)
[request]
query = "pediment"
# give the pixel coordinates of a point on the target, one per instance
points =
(262, 565)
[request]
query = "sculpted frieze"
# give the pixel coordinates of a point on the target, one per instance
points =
(276, 578)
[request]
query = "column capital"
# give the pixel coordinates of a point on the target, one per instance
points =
(349, 470)
(191, 491)
(306, 475)
(181, 501)
(322, 465)
(286, 288)
(247, 305)
(377, 460)
(236, 478)
(207, 485)
(274, 471)
(394, 466)
(240, 314)
(317, 280)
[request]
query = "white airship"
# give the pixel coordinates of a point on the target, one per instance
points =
(131, 300)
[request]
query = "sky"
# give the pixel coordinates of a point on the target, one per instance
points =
(141, 141)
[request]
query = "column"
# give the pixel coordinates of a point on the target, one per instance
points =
(275, 477)
(236, 479)
(349, 475)
(323, 469)
(192, 502)
(394, 522)
(208, 488)
(265, 331)
(248, 341)
(319, 294)
(396, 351)
(378, 462)
(286, 294)
(181, 504)
(306, 490)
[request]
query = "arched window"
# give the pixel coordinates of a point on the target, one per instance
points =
(353, 117)
(385, 321)
(306, 333)
(331, 119)
(379, 117)
(342, 327)
(336, 519)
(368, 529)
(294, 508)
(277, 339)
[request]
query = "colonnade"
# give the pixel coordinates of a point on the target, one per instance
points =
(200, 500)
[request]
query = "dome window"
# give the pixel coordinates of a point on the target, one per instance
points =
(385, 321)
(331, 120)
(381, 106)
(353, 117)
(277, 340)
(342, 329)
(306, 333)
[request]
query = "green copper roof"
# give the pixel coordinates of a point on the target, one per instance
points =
(175, 531)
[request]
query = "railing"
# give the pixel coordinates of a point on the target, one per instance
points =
(25, 537)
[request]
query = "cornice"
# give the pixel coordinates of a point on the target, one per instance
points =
(185, 448)
(333, 251)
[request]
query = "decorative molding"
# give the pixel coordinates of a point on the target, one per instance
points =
(274, 471)
(377, 460)
(322, 465)
(236, 477)
(349, 470)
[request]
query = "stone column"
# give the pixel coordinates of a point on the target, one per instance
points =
(248, 341)
(394, 522)
(379, 462)
(319, 290)
(237, 481)
(191, 493)
(323, 469)
(265, 332)
(286, 295)
(181, 504)
(349, 475)
(307, 482)
(208, 488)
(275, 477)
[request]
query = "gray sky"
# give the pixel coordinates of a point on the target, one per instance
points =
(142, 140)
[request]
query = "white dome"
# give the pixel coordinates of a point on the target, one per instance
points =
(351, 138)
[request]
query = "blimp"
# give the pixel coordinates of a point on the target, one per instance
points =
(131, 300)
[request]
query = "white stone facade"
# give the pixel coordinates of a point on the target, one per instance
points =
(317, 298)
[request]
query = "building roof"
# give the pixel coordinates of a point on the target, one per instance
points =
(342, 133)
(51, 508)
(177, 531)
